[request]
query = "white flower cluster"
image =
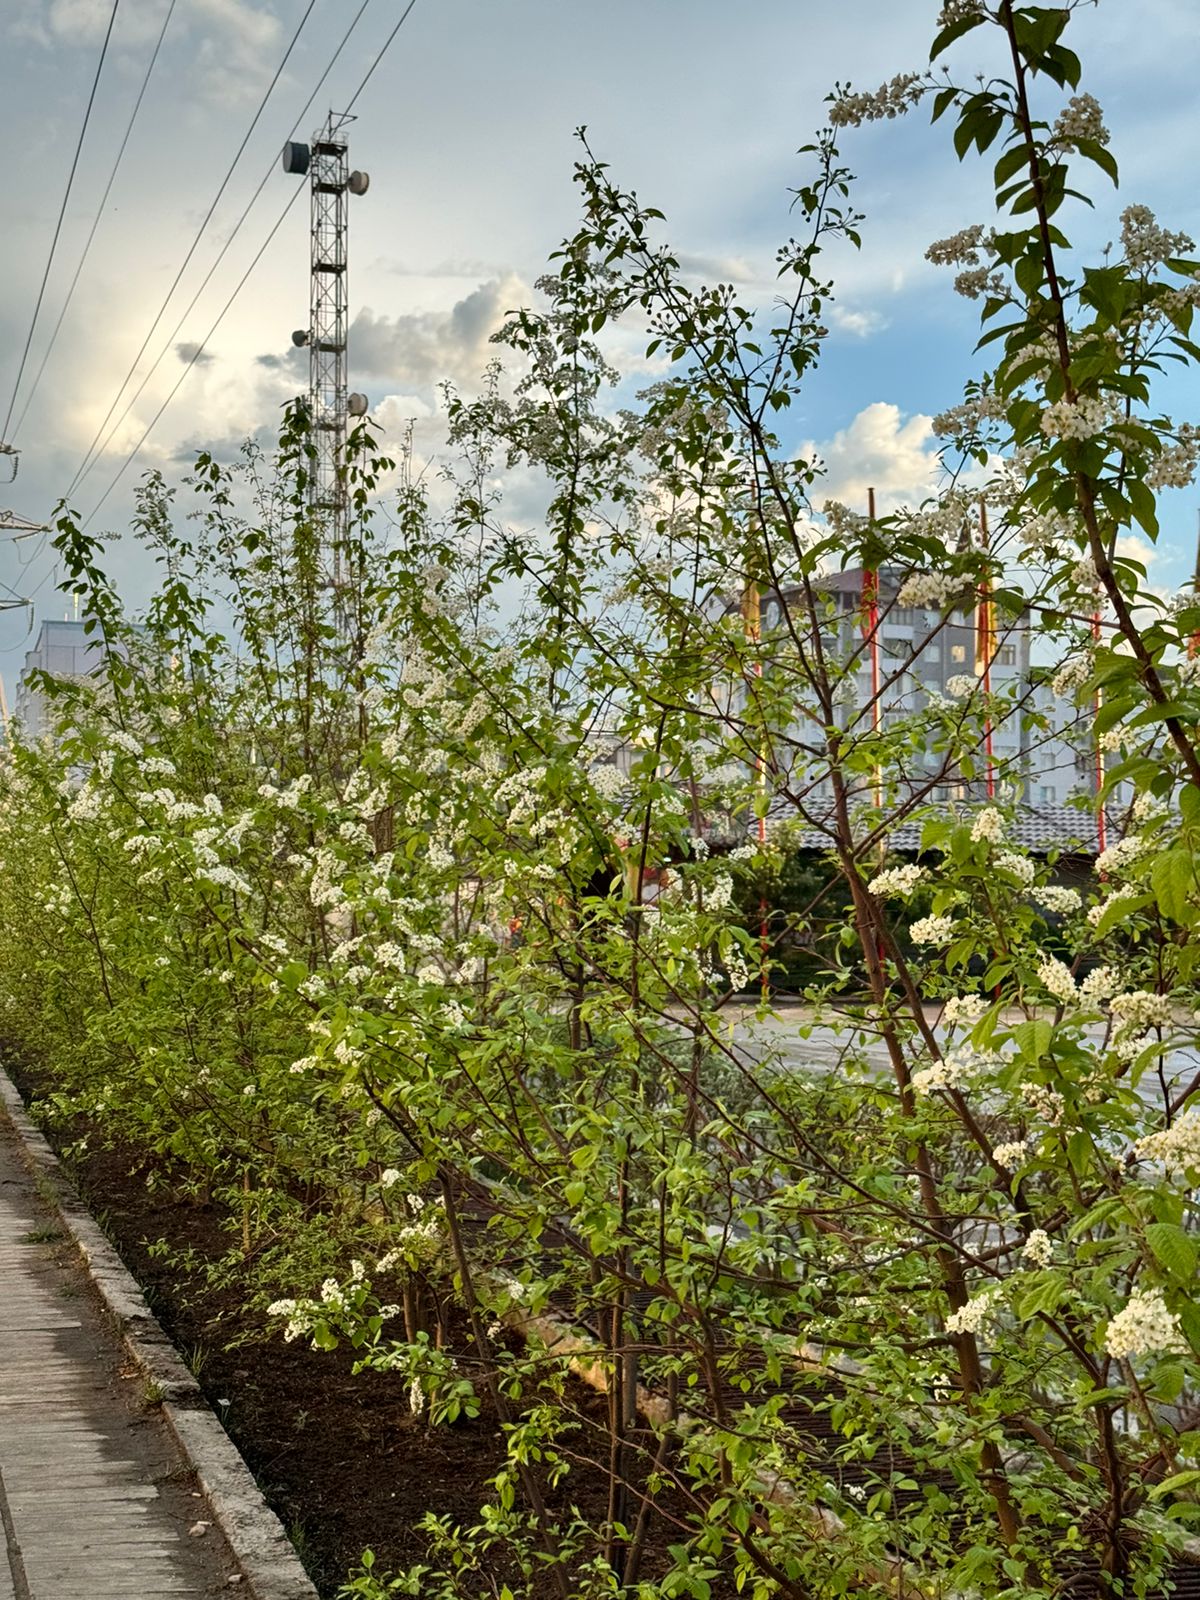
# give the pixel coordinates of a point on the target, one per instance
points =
(891, 99)
(957, 1066)
(989, 825)
(719, 893)
(1021, 867)
(323, 891)
(842, 521)
(1056, 897)
(1177, 1147)
(422, 1242)
(932, 930)
(286, 799)
(1010, 1154)
(1039, 1248)
(1046, 531)
(1084, 418)
(1096, 912)
(964, 1010)
(934, 590)
(1145, 243)
(960, 249)
(1080, 119)
(86, 805)
(897, 881)
(1120, 856)
(974, 282)
(1143, 1327)
(978, 1313)
(1057, 980)
(1072, 675)
(960, 685)
(1148, 808)
(226, 878)
(962, 421)
(1188, 672)
(958, 11)
(1046, 1102)
(1175, 465)
(1139, 1009)
(1083, 575)
(1100, 984)
(607, 781)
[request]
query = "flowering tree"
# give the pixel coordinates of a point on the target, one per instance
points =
(353, 916)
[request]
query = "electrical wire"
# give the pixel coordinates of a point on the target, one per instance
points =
(81, 476)
(87, 116)
(199, 351)
(192, 248)
(383, 50)
(137, 106)
(196, 354)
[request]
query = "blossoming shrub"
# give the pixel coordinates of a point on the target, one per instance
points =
(393, 914)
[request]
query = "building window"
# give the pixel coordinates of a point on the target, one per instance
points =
(1006, 656)
(958, 653)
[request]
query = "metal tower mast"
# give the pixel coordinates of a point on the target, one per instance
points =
(327, 164)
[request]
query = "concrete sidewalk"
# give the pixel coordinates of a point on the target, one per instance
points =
(96, 1502)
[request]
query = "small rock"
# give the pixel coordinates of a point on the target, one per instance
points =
(198, 1528)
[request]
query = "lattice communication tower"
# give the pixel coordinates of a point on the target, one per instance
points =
(326, 161)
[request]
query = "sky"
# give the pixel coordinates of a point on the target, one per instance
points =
(467, 130)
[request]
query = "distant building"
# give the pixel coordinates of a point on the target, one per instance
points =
(66, 651)
(921, 651)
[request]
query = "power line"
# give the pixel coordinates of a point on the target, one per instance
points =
(137, 106)
(194, 244)
(81, 476)
(87, 115)
(383, 49)
(198, 352)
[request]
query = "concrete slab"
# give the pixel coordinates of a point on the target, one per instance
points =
(82, 1514)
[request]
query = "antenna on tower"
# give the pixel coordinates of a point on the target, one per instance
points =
(326, 163)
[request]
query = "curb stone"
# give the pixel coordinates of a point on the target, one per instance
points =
(255, 1535)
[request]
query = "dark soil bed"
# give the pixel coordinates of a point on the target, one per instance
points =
(340, 1458)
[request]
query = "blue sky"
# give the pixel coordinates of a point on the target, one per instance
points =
(467, 132)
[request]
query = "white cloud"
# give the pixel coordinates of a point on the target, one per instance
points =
(719, 269)
(417, 350)
(860, 323)
(234, 34)
(881, 449)
(62, 21)
(395, 411)
(1135, 548)
(238, 44)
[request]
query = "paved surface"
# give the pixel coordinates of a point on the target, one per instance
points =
(95, 1502)
(825, 1050)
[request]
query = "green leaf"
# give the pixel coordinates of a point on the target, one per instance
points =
(1173, 1484)
(1173, 878)
(1033, 1038)
(1043, 1297)
(1145, 507)
(1173, 1249)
